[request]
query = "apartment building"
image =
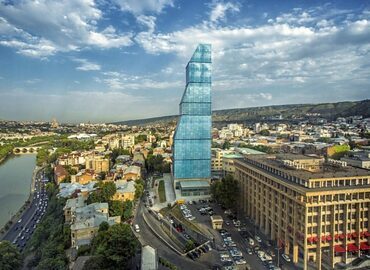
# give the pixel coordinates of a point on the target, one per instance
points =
(97, 163)
(317, 210)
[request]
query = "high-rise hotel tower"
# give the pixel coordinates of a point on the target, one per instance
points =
(192, 138)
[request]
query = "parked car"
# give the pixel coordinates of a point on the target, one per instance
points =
(285, 257)
(258, 239)
(251, 241)
(137, 228)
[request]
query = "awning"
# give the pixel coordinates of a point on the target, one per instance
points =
(341, 236)
(328, 238)
(364, 246)
(354, 235)
(336, 237)
(323, 238)
(315, 239)
(352, 247)
(339, 249)
(367, 234)
(349, 235)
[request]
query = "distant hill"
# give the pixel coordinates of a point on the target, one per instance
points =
(293, 112)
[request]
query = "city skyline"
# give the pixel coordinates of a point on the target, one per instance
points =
(107, 61)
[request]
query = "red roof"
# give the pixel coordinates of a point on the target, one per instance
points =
(364, 246)
(352, 247)
(339, 249)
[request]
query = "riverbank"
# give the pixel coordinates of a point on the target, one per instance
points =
(23, 208)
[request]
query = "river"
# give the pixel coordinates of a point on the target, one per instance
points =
(15, 183)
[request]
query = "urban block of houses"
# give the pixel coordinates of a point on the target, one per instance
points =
(85, 222)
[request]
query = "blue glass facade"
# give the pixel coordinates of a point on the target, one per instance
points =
(192, 139)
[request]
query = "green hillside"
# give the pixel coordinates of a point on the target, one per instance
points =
(329, 111)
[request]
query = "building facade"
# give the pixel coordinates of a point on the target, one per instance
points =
(318, 212)
(192, 138)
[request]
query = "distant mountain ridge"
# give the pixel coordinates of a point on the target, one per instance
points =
(328, 111)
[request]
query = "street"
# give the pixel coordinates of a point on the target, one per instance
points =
(21, 231)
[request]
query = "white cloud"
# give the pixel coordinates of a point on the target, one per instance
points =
(144, 6)
(219, 9)
(86, 65)
(43, 28)
(148, 21)
(122, 81)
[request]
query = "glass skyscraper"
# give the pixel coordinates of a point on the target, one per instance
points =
(192, 138)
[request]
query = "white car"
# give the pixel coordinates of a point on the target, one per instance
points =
(241, 261)
(137, 228)
(251, 241)
(259, 240)
(285, 257)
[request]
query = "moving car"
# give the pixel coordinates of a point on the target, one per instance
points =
(137, 228)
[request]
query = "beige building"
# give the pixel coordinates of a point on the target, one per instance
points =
(217, 155)
(217, 222)
(97, 163)
(125, 190)
(318, 211)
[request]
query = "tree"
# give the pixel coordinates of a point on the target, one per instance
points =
(140, 138)
(115, 247)
(127, 210)
(226, 191)
(115, 208)
(226, 145)
(104, 193)
(104, 226)
(139, 188)
(265, 132)
(10, 258)
(189, 245)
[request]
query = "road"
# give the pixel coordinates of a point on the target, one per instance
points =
(21, 231)
(147, 237)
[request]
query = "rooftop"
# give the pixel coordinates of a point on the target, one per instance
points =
(326, 170)
(194, 184)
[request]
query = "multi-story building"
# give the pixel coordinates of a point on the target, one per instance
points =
(316, 210)
(125, 191)
(128, 141)
(217, 155)
(192, 138)
(97, 163)
(85, 222)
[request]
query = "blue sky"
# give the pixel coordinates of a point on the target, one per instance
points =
(103, 61)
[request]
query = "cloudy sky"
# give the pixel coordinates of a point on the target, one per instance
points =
(99, 61)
